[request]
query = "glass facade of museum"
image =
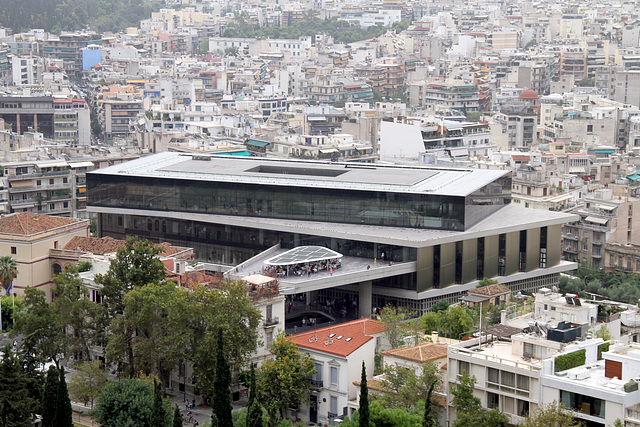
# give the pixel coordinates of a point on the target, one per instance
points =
(232, 245)
(338, 205)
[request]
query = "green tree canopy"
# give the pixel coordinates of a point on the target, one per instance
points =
(8, 270)
(125, 402)
(87, 381)
(549, 415)
(64, 413)
(381, 416)
(284, 381)
(16, 404)
(221, 405)
(135, 265)
(407, 386)
(38, 326)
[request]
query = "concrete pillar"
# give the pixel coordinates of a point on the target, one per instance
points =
(308, 299)
(296, 240)
(365, 298)
(35, 122)
(18, 124)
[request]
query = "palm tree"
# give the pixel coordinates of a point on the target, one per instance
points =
(8, 270)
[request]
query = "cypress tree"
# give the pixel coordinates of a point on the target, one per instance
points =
(50, 397)
(177, 419)
(254, 412)
(64, 413)
(221, 406)
(158, 415)
(428, 420)
(364, 399)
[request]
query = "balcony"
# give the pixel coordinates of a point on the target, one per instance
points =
(270, 322)
(316, 383)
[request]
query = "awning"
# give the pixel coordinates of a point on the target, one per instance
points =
(258, 279)
(596, 220)
(605, 207)
(304, 254)
(55, 164)
(328, 150)
(81, 165)
(475, 298)
(316, 118)
(634, 177)
(255, 143)
(458, 152)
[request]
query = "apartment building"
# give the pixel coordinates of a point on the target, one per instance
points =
(463, 98)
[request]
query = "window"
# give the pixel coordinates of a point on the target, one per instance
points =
(269, 339)
(120, 221)
(55, 245)
(523, 385)
(14, 250)
(523, 408)
(52, 206)
(51, 181)
(493, 378)
(334, 376)
(64, 180)
(333, 405)
(493, 400)
(463, 367)
(38, 183)
(522, 264)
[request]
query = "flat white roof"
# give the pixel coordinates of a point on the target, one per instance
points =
(348, 176)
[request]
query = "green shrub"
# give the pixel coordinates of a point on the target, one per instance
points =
(570, 360)
(631, 386)
(603, 348)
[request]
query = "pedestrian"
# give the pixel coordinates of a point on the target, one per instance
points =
(382, 256)
(331, 271)
(193, 404)
(303, 322)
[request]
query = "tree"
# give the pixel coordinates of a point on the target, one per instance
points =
(177, 417)
(206, 311)
(394, 321)
(8, 270)
(604, 333)
(50, 398)
(158, 416)
(284, 381)
(428, 419)
(254, 412)
(16, 405)
(457, 321)
(486, 282)
(38, 327)
(549, 415)
(82, 319)
(64, 413)
(151, 336)
(381, 416)
(405, 386)
(126, 402)
(364, 398)
(88, 381)
(467, 406)
(221, 405)
(135, 264)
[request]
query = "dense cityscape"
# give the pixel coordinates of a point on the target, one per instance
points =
(319, 213)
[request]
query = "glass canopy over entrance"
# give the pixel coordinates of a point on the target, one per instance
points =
(303, 255)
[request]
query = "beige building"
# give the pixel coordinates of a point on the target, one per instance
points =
(28, 238)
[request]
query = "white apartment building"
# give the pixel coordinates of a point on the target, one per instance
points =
(337, 352)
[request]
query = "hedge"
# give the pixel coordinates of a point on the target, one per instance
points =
(604, 347)
(570, 360)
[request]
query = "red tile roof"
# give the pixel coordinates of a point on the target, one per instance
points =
(29, 223)
(419, 353)
(491, 290)
(107, 245)
(520, 158)
(360, 331)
